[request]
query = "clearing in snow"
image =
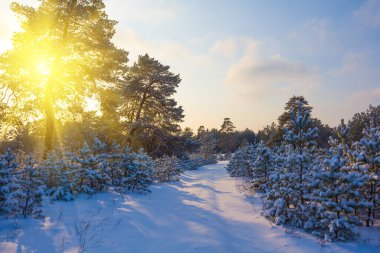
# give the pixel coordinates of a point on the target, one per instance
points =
(204, 212)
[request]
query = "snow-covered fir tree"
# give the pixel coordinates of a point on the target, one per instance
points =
(85, 174)
(302, 138)
(241, 162)
(31, 189)
(167, 168)
(279, 202)
(336, 191)
(286, 199)
(367, 161)
(58, 177)
(113, 170)
(137, 170)
(279, 196)
(263, 166)
(9, 187)
(104, 166)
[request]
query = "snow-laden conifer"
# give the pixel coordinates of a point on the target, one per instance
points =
(241, 162)
(367, 161)
(31, 189)
(9, 187)
(167, 168)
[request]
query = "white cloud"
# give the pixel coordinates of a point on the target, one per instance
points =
(168, 52)
(263, 78)
(369, 13)
(227, 47)
(251, 46)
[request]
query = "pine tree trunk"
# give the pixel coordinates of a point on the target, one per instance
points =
(50, 119)
(49, 96)
(139, 111)
(368, 217)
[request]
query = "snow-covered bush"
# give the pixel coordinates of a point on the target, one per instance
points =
(195, 161)
(31, 189)
(282, 198)
(84, 168)
(189, 164)
(57, 177)
(136, 169)
(241, 163)
(336, 191)
(367, 161)
(91, 170)
(167, 168)
(263, 166)
(111, 166)
(9, 187)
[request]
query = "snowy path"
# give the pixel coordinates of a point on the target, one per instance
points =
(205, 212)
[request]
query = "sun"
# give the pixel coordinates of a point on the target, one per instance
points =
(43, 68)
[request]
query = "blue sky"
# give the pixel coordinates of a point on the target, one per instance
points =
(244, 59)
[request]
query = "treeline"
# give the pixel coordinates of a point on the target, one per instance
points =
(326, 191)
(227, 139)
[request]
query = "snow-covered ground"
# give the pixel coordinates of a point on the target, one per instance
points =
(204, 212)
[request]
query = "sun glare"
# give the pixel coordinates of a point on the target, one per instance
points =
(43, 69)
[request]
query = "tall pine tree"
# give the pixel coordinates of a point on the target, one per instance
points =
(62, 55)
(151, 113)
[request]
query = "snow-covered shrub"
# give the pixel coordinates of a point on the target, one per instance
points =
(196, 161)
(367, 162)
(167, 168)
(9, 187)
(57, 177)
(189, 164)
(241, 163)
(111, 166)
(91, 169)
(31, 189)
(136, 169)
(337, 190)
(84, 168)
(281, 199)
(263, 166)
